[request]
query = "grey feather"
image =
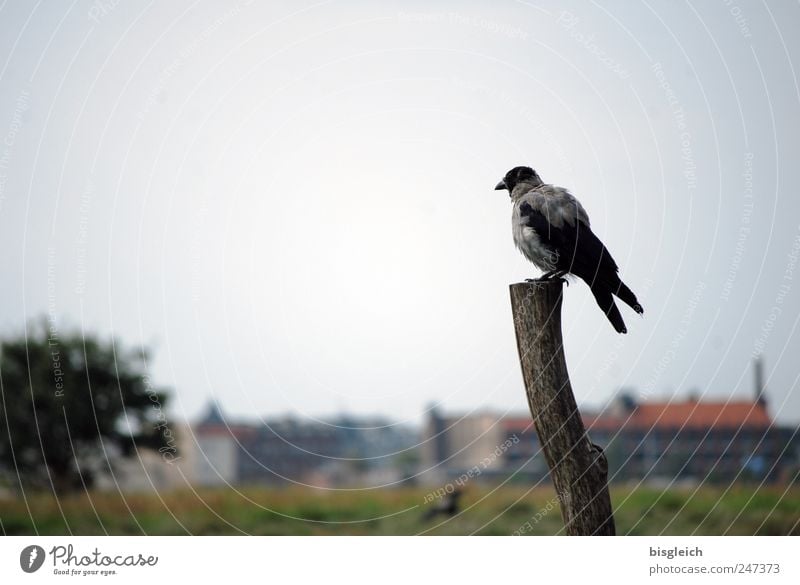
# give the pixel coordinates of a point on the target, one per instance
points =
(558, 205)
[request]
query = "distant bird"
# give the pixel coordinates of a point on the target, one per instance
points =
(447, 506)
(552, 230)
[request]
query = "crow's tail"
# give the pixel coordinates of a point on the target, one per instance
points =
(626, 296)
(604, 298)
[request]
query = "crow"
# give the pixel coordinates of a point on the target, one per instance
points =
(447, 506)
(551, 229)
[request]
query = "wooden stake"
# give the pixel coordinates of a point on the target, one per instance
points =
(578, 467)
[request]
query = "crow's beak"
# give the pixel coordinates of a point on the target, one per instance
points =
(500, 186)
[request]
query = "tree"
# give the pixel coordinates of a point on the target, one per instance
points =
(70, 405)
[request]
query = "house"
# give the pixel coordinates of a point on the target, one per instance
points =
(341, 451)
(687, 440)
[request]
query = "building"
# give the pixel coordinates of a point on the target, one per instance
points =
(696, 441)
(218, 441)
(691, 440)
(342, 451)
(482, 445)
(147, 470)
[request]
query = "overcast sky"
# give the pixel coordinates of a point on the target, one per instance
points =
(293, 203)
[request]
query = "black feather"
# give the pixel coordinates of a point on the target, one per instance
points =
(605, 300)
(579, 251)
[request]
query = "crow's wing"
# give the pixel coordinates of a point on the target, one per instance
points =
(579, 251)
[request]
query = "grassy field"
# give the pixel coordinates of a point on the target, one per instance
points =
(644, 511)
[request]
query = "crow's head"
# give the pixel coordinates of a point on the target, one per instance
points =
(516, 176)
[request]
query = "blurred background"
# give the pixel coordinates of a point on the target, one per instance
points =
(255, 272)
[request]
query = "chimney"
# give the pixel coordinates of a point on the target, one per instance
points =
(758, 370)
(437, 427)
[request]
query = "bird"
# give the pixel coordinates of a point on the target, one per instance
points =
(447, 506)
(552, 230)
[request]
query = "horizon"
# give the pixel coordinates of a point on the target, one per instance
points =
(687, 396)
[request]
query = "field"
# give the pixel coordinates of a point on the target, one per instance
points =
(738, 510)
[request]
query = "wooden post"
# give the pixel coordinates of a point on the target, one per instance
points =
(579, 468)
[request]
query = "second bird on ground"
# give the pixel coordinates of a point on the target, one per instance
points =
(551, 228)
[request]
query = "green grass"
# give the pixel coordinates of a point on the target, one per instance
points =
(741, 510)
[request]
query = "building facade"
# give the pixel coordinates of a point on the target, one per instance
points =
(686, 441)
(341, 451)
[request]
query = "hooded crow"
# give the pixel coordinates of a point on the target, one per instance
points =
(551, 229)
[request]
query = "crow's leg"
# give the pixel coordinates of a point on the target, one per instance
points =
(551, 276)
(547, 276)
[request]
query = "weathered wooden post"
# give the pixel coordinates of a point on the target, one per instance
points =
(579, 468)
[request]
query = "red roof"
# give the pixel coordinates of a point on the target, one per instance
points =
(671, 415)
(701, 415)
(221, 430)
(518, 424)
(602, 422)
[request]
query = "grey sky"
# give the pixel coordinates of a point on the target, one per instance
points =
(293, 202)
